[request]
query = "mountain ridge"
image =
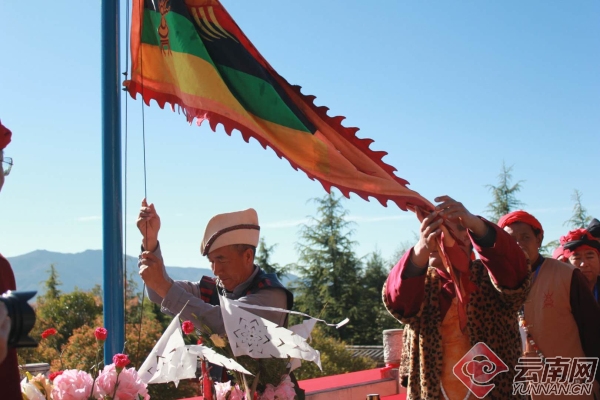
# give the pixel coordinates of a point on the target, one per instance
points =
(84, 270)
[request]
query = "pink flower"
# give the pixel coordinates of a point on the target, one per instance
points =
(121, 360)
(187, 327)
(101, 334)
(49, 332)
(236, 393)
(284, 391)
(200, 341)
(72, 385)
(269, 393)
(221, 389)
(129, 384)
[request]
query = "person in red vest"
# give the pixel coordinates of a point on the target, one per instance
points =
(9, 368)
(560, 317)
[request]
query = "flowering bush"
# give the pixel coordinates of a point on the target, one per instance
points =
(114, 382)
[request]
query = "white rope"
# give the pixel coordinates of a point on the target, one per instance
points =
(245, 305)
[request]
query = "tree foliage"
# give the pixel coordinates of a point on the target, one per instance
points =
(335, 358)
(374, 318)
(329, 269)
(263, 259)
(504, 195)
(51, 284)
(580, 217)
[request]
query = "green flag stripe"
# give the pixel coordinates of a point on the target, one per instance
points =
(183, 37)
(259, 98)
(254, 94)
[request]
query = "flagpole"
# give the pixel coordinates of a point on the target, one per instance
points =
(112, 225)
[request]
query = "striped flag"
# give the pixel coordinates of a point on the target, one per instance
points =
(192, 54)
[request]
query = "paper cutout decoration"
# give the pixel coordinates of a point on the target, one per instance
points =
(304, 329)
(257, 337)
(206, 353)
(171, 360)
(241, 304)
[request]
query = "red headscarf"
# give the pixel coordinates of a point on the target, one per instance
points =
(580, 238)
(520, 216)
(5, 135)
(559, 251)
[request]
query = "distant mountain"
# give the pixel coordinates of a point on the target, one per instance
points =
(82, 270)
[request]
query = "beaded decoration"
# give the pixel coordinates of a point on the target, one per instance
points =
(530, 340)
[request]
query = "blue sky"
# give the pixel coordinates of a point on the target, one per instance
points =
(449, 89)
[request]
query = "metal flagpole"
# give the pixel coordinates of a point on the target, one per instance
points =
(112, 224)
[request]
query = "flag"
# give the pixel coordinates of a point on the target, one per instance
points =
(171, 360)
(192, 54)
(251, 335)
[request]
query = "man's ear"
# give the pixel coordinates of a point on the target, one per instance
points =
(249, 257)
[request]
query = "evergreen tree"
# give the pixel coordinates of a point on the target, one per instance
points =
(51, 284)
(504, 194)
(374, 317)
(263, 259)
(329, 269)
(580, 217)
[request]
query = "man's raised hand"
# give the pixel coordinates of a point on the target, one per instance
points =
(148, 223)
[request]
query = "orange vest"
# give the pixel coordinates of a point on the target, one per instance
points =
(549, 318)
(455, 344)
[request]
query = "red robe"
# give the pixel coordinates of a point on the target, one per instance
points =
(9, 368)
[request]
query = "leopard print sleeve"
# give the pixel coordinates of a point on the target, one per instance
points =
(512, 298)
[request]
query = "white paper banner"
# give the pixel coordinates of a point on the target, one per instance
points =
(257, 337)
(168, 361)
(171, 360)
(208, 354)
(304, 329)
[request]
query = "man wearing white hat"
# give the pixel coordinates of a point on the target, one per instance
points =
(229, 242)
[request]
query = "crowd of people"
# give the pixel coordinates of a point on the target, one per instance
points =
(526, 308)
(465, 282)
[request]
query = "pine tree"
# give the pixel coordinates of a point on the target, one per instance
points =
(51, 284)
(263, 259)
(580, 217)
(374, 317)
(329, 269)
(504, 194)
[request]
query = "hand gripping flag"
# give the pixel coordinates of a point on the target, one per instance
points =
(171, 360)
(192, 54)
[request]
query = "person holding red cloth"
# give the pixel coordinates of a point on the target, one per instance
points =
(447, 311)
(9, 368)
(560, 316)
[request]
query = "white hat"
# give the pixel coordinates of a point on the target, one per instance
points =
(240, 227)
